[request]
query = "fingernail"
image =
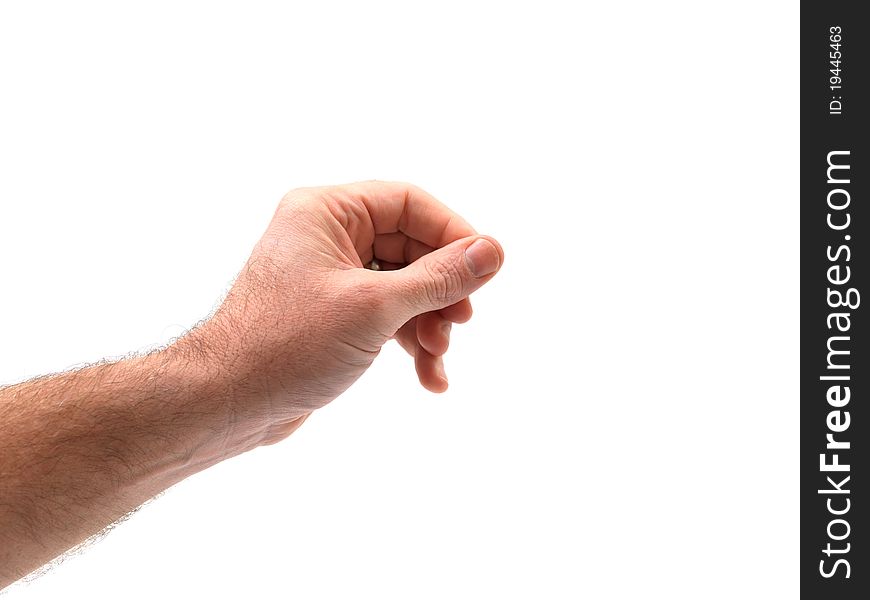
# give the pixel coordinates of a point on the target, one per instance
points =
(482, 258)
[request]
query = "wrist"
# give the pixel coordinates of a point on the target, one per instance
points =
(191, 406)
(214, 385)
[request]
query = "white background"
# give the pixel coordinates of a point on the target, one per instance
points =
(623, 414)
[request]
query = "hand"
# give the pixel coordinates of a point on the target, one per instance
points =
(305, 319)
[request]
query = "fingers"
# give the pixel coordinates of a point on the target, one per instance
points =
(397, 247)
(426, 339)
(429, 259)
(373, 208)
(395, 250)
(433, 333)
(402, 207)
(407, 337)
(440, 279)
(421, 300)
(459, 312)
(430, 371)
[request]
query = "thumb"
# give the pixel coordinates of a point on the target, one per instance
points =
(444, 276)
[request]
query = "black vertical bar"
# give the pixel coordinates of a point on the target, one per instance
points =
(834, 272)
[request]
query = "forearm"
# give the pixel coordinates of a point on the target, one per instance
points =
(79, 450)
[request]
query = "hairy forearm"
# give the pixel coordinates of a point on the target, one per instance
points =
(79, 450)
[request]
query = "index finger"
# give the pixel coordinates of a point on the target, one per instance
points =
(402, 207)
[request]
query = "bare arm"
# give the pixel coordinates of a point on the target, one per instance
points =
(300, 325)
(80, 450)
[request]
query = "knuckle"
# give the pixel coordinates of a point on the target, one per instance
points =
(297, 198)
(292, 196)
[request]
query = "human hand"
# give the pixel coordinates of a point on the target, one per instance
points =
(305, 319)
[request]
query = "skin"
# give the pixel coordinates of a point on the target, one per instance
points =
(302, 322)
